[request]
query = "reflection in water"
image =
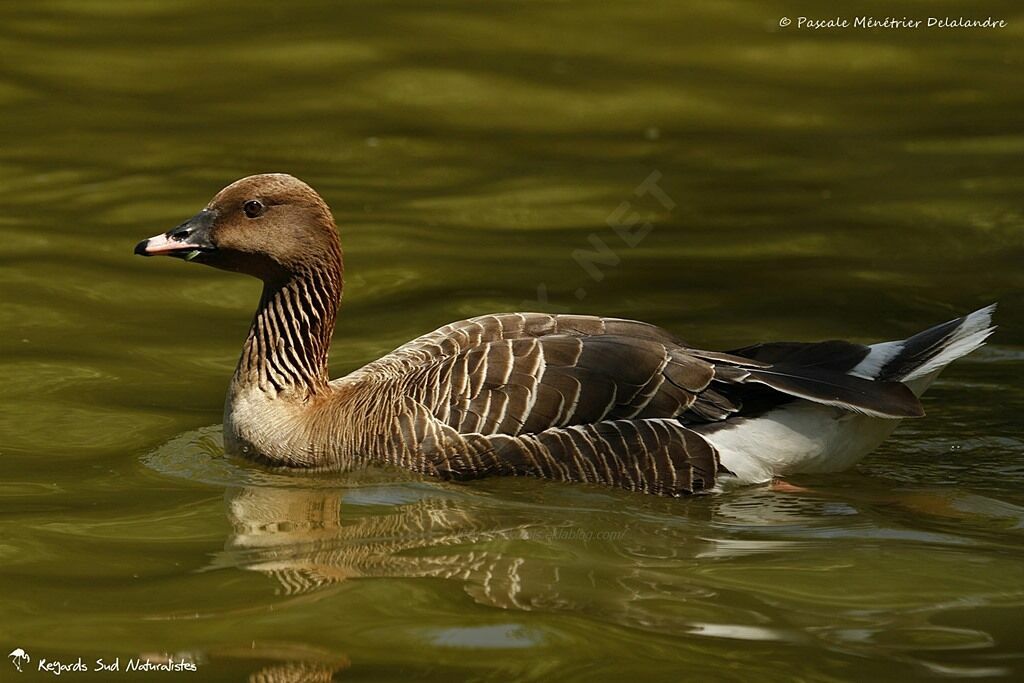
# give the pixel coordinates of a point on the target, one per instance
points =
(755, 565)
(526, 557)
(301, 539)
(283, 662)
(293, 672)
(848, 184)
(511, 559)
(310, 539)
(291, 663)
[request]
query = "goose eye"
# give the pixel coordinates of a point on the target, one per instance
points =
(253, 208)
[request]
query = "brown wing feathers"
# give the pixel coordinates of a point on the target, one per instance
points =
(580, 398)
(528, 385)
(652, 456)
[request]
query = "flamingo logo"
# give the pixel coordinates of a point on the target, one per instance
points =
(18, 656)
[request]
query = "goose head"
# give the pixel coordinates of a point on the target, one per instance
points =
(272, 226)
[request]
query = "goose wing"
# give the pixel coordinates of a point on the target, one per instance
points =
(602, 400)
(523, 373)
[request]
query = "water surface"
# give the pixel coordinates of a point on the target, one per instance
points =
(859, 185)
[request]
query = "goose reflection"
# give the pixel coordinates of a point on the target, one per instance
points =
(289, 662)
(713, 567)
(503, 556)
(294, 672)
(305, 541)
(309, 539)
(537, 556)
(278, 661)
(513, 544)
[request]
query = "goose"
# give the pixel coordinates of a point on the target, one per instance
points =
(575, 398)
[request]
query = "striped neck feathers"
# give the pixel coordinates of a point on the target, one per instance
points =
(290, 336)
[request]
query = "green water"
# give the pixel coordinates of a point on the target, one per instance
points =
(847, 184)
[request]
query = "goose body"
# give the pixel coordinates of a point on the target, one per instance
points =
(566, 397)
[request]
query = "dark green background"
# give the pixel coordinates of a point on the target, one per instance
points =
(856, 184)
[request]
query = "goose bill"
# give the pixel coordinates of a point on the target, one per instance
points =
(186, 241)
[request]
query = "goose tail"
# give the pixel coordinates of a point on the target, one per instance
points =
(802, 437)
(926, 353)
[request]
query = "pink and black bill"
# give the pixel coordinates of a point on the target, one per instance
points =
(185, 241)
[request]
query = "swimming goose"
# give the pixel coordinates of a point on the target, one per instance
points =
(566, 397)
